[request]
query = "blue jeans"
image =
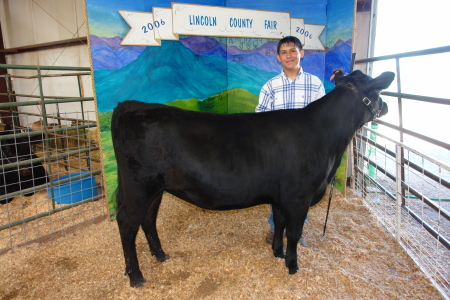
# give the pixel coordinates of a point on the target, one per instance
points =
(270, 220)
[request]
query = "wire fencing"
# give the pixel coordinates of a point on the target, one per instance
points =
(409, 192)
(51, 177)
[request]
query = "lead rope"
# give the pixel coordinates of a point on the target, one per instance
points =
(329, 204)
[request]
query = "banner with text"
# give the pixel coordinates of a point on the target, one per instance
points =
(148, 29)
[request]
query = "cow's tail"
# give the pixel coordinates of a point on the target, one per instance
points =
(119, 193)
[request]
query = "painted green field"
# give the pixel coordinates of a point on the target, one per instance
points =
(109, 161)
(341, 175)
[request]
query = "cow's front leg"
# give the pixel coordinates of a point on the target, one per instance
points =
(294, 230)
(278, 220)
(291, 256)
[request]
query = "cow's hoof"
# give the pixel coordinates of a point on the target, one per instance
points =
(162, 257)
(279, 254)
(293, 270)
(138, 282)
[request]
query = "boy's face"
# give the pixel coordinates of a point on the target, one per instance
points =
(290, 56)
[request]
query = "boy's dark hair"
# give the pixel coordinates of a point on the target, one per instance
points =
(289, 39)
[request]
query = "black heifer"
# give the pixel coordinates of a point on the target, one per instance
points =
(18, 172)
(229, 161)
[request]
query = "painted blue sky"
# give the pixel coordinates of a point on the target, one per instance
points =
(340, 20)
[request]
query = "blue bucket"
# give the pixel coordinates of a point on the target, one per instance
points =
(75, 190)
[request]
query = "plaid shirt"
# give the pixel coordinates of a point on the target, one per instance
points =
(281, 92)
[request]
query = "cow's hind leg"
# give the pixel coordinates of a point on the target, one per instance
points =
(279, 222)
(151, 233)
(128, 228)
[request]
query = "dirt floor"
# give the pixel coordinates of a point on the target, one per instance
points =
(222, 255)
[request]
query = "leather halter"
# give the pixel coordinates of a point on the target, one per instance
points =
(367, 102)
(375, 113)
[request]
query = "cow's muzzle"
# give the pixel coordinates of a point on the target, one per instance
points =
(384, 109)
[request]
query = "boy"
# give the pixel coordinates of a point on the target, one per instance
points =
(293, 88)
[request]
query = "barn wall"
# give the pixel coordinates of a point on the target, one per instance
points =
(41, 21)
(27, 23)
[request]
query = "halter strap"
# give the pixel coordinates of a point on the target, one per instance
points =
(367, 102)
(375, 113)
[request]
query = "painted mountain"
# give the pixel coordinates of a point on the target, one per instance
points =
(341, 52)
(107, 53)
(194, 67)
(172, 71)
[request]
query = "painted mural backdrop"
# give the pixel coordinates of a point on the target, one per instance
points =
(221, 74)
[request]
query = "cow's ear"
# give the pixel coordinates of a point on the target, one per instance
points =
(337, 76)
(382, 82)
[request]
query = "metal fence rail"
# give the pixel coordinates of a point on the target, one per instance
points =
(414, 207)
(64, 141)
(409, 191)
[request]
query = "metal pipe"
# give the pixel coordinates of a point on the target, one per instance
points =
(47, 152)
(433, 100)
(434, 233)
(431, 159)
(40, 132)
(372, 34)
(50, 75)
(399, 192)
(36, 67)
(437, 50)
(10, 98)
(37, 96)
(405, 161)
(50, 157)
(28, 103)
(427, 201)
(417, 135)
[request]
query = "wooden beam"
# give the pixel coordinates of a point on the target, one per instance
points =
(45, 46)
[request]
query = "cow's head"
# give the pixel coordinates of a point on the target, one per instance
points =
(368, 89)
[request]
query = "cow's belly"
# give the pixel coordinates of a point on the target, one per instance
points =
(223, 192)
(232, 190)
